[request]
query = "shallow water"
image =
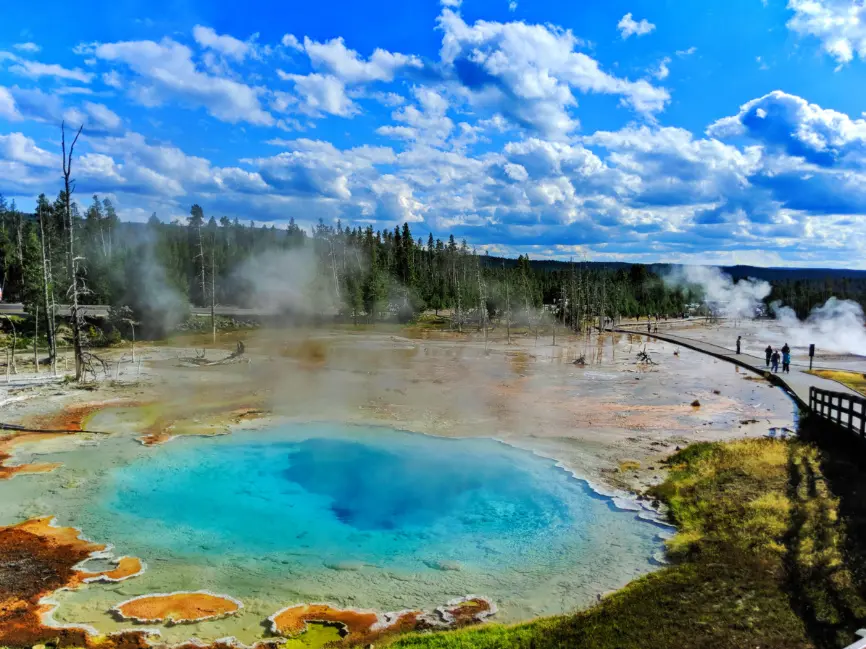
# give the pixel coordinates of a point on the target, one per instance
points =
(357, 516)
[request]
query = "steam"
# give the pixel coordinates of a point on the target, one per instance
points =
(289, 282)
(837, 326)
(735, 300)
(158, 305)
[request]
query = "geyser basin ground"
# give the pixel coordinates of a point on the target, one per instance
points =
(357, 516)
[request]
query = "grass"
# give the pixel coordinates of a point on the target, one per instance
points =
(760, 560)
(854, 380)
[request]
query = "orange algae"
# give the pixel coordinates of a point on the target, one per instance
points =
(36, 560)
(177, 608)
(365, 627)
(293, 620)
(202, 420)
(125, 568)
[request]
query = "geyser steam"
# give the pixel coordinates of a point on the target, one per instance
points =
(732, 300)
(837, 326)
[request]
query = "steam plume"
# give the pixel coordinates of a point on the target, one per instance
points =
(837, 326)
(738, 300)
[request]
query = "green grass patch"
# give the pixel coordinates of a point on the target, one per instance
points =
(758, 562)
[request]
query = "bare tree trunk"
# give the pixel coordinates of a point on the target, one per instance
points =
(507, 311)
(212, 293)
(36, 339)
(459, 319)
(48, 307)
(201, 256)
(482, 307)
(68, 184)
(11, 363)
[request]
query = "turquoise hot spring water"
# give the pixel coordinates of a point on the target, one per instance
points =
(365, 517)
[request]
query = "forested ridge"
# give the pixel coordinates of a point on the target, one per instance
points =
(359, 273)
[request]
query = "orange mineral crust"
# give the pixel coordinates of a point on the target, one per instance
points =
(362, 628)
(177, 608)
(293, 620)
(126, 567)
(36, 560)
(6, 445)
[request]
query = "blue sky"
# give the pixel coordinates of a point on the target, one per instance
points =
(650, 130)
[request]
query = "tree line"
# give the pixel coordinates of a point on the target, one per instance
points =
(78, 253)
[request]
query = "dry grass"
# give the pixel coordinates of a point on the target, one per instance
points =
(854, 380)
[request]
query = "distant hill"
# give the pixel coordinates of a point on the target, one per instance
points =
(736, 272)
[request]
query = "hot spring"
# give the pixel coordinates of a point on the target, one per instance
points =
(361, 517)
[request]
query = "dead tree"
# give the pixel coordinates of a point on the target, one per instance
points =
(507, 307)
(47, 296)
(69, 186)
(201, 256)
(212, 290)
(10, 363)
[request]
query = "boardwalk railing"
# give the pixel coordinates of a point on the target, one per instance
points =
(844, 410)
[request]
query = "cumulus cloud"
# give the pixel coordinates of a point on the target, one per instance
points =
(840, 26)
(27, 47)
(226, 45)
(336, 68)
(335, 58)
(166, 72)
(316, 94)
(17, 147)
(96, 118)
(526, 73)
(8, 109)
(792, 125)
(662, 71)
(628, 26)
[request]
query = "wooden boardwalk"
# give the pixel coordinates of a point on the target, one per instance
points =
(797, 383)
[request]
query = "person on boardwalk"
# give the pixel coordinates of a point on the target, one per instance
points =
(739, 343)
(775, 360)
(786, 359)
(769, 354)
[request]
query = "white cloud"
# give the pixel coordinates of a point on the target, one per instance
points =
(840, 25)
(36, 70)
(335, 58)
(425, 122)
(27, 47)
(226, 45)
(688, 52)
(789, 123)
(8, 109)
(102, 116)
(17, 147)
(112, 79)
(512, 6)
(527, 72)
(662, 71)
(292, 42)
(317, 94)
(166, 71)
(628, 26)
